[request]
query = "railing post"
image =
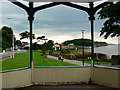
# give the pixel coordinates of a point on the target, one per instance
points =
(31, 18)
(92, 18)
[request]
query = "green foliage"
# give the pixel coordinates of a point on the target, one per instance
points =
(35, 46)
(7, 37)
(18, 42)
(100, 42)
(40, 46)
(44, 48)
(27, 48)
(40, 38)
(80, 42)
(50, 44)
(7, 29)
(65, 51)
(26, 34)
(112, 24)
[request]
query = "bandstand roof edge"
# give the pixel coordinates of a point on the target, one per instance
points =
(80, 1)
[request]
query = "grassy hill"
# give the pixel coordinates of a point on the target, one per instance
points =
(22, 60)
(85, 42)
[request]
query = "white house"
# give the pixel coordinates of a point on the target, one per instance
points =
(56, 47)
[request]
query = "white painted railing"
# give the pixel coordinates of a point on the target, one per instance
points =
(15, 79)
(42, 75)
(106, 76)
(61, 75)
(19, 78)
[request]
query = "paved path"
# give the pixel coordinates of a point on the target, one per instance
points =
(79, 63)
(69, 61)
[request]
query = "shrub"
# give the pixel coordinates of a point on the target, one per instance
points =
(27, 48)
(65, 51)
(35, 46)
(103, 57)
(69, 56)
(115, 59)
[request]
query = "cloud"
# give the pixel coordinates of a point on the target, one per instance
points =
(58, 23)
(60, 37)
(110, 40)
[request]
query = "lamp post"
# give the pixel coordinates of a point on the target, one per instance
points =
(12, 38)
(83, 44)
(13, 45)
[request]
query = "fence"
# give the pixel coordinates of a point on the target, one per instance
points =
(56, 75)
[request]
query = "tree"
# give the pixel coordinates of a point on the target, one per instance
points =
(79, 42)
(44, 45)
(44, 49)
(112, 24)
(18, 43)
(35, 46)
(7, 37)
(50, 44)
(26, 34)
(40, 38)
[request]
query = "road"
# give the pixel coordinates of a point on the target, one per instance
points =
(9, 53)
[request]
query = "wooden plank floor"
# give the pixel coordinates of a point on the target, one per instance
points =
(67, 87)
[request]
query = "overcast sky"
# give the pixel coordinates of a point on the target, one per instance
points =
(57, 23)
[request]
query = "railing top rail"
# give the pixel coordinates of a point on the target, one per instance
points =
(43, 67)
(14, 70)
(106, 67)
(61, 66)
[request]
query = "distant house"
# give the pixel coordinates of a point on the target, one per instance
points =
(71, 44)
(56, 47)
(25, 44)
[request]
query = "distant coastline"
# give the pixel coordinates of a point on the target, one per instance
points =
(99, 45)
(109, 50)
(83, 42)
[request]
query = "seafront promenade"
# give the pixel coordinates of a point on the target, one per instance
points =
(80, 63)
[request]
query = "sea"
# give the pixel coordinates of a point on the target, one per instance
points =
(111, 49)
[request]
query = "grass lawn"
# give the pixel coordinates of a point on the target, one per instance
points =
(96, 62)
(23, 60)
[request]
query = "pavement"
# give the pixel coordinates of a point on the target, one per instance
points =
(7, 54)
(79, 63)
